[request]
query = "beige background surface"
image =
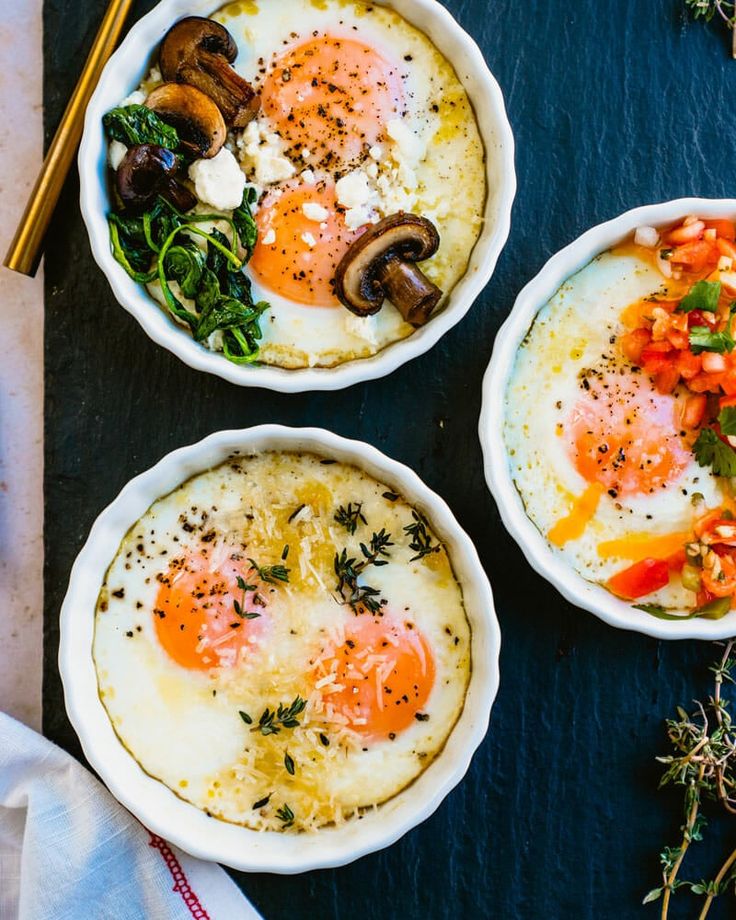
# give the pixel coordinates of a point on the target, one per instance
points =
(21, 373)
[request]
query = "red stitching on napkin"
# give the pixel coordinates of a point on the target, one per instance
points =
(181, 883)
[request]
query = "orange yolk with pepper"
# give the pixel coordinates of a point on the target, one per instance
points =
(195, 617)
(333, 96)
(300, 261)
(623, 435)
(387, 672)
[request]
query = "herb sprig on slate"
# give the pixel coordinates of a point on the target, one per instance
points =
(347, 569)
(703, 763)
(350, 517)
(421, 538)
(707, 9)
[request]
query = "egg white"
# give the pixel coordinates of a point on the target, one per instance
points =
(183, 726)
(572, 332)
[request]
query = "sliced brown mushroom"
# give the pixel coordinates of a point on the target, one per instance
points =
(195, 116)
(147, 171)
(380, 264)
(200, 51)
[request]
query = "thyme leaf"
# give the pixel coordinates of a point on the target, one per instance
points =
(350, 517)
(421, 538)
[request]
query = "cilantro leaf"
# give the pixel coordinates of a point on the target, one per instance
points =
(727, 420)
(710, 450)
(703, 295)
(702, 339)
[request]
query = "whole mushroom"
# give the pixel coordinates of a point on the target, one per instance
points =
(381, 264)
(195, 116)
(199, 52)
(147, 171)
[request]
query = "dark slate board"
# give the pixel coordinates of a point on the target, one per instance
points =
(614, 104)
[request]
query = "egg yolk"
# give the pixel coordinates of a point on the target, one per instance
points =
(387, 671)
(195, 616)
(332, 96)
(623, 434)
(297, 254)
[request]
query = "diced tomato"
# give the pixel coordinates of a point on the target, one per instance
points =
(726, 248)
(724, 228)
(727, 382)
(696, 256)
(688, 364)
(656, 356)
(667, 379)
(696, 318)
(721, 580)
(686, 234)
(676, 561)
(706, 383)
(633, 342)
(640, 579)
(693, 410)
(678, 340)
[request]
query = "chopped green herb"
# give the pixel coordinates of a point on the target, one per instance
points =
(702, 339)
(727, 420)
(261, 803)
(347, 569)
(270, 573)
(711, 451)
(245, 717)
(703, 296)
(295, 512)
(285, 815)
(421, 538)
(239, 605)
(350, 517)
(324, 739)
(272, 721)
(289, 763)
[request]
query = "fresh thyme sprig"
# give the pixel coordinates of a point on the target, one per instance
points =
(347, 569)
(707, 9)
(285, 815)
(273, 720)
(350, 517)
(239, 605)
(421, 538)
(704, 762)
(271, 574)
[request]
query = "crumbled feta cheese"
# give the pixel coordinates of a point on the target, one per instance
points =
(137, 97)
(410, 145)
(646, 236)
(306, 153)
(314, 211)
(308, 177)
(219, 181)
(309, 239)
(376, 152)
(352, 190)
(372, 170)
(262, 154)
(357, 217)
(269, 238)
(115, 154)
(364, 327)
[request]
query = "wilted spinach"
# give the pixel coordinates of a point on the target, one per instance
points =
(160, 245)
(136, 124)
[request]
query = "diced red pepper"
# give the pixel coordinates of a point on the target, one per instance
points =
(633, 342)
(656, 356)
(722, 584)
(686, 234)
(724, 228)
(677, 560)
(640, 579)
(689, 364)
(693, 410)
(696, 256)
(667, 379)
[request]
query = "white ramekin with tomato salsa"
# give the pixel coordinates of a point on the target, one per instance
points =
(613, 383)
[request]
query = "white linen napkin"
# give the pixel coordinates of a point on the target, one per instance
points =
(68, 850)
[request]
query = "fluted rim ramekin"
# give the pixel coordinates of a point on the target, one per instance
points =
(533, 297)
(124, 72)
(153, 803)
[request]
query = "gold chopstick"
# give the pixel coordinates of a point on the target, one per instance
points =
(25, 250)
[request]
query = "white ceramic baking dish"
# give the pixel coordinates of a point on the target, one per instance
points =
(156, 806)
(123, 74)
(533, 297)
